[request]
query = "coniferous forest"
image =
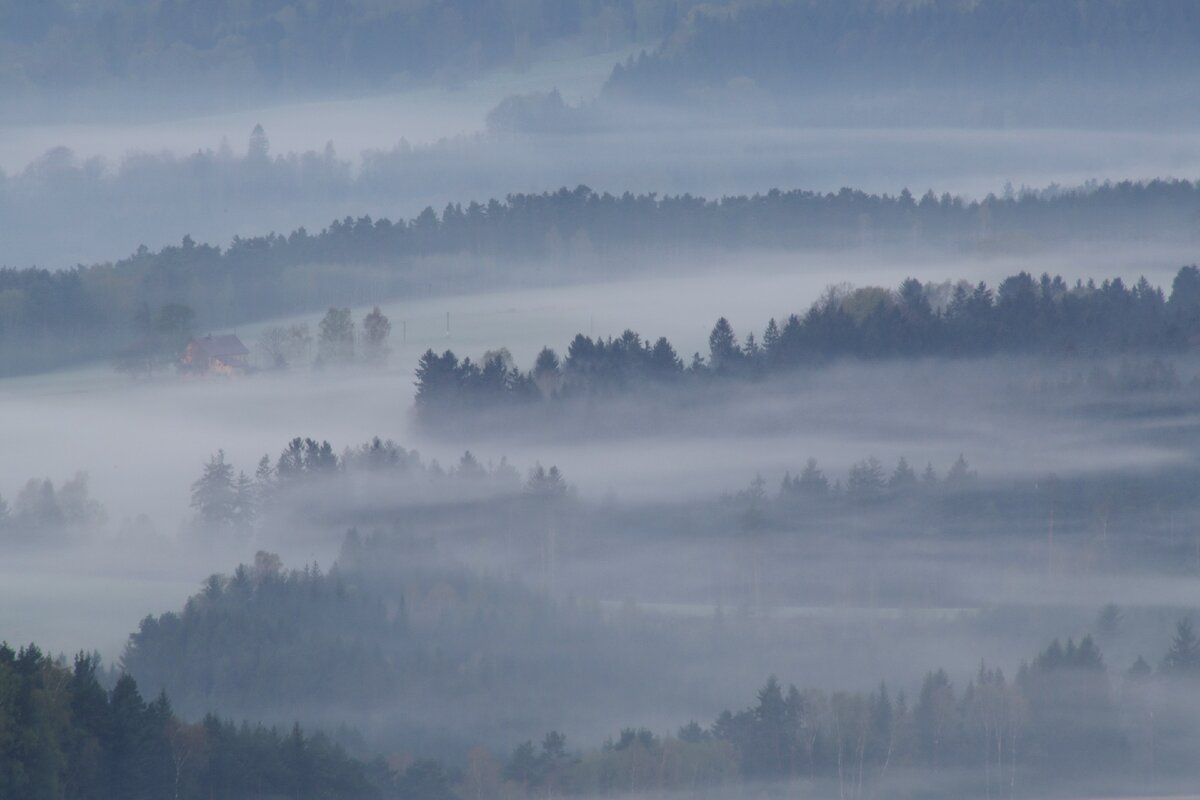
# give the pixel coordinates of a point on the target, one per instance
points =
(655, 399)
(1022, 315)
(103, 310)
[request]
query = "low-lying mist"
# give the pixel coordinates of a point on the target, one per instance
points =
(699, 538)
(157, 194)
(649, 398)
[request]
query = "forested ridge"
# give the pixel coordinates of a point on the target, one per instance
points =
(49, 318)
(1064, 713)
(797, 46)
(300, 48)
(297, 48)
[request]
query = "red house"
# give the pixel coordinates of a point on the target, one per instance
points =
(215, 355)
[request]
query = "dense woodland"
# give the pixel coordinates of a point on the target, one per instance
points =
(799, 46)
(64, 735)
(485, 625)
(1064, 714)
(396, 619)
(1022, 315)
(302, 49)
(49, 318)
(404, 618)
(296, 48)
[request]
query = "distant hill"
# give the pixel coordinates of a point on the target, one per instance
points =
(296, 47)
(947, 46)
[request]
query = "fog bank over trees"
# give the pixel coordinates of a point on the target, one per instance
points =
(156, 192)
(413, 400)
(1022, 316)
(990, 63)
(229, 52)
(564, 236)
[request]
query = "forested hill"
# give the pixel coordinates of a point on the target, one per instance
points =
(52, 318)
(1065, 714)
(870, 44)
(63, 735)
(285, 46)
(1022, 316)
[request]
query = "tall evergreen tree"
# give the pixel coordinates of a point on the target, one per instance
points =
(214, 495)
(1183, 657)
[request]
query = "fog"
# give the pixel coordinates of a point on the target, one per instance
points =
(836, 436)
(650, 560)
(192, 180)
(421, 114)
(143, 443)
(179, 422)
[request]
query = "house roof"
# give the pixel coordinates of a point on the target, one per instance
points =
(223, 346)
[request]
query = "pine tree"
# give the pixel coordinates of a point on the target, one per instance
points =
(245, 504)
(1183, 658)
(770, 741)
(960, 473)
(264, 479)
(903, 478)
(213, 495)
(770, 340)
(812, 482)
(723, 348)
(929, 477)
(547, 364)
(866, 480)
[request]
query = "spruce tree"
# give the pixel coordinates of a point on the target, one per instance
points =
(1183, 658)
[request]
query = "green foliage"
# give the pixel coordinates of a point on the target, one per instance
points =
(63, 736)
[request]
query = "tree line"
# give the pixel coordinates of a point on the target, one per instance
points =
(786, 47)
(1022, 315)
(65, 736)
(1065, 714)
(55, 317)
(310, 481)
(297, 49)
